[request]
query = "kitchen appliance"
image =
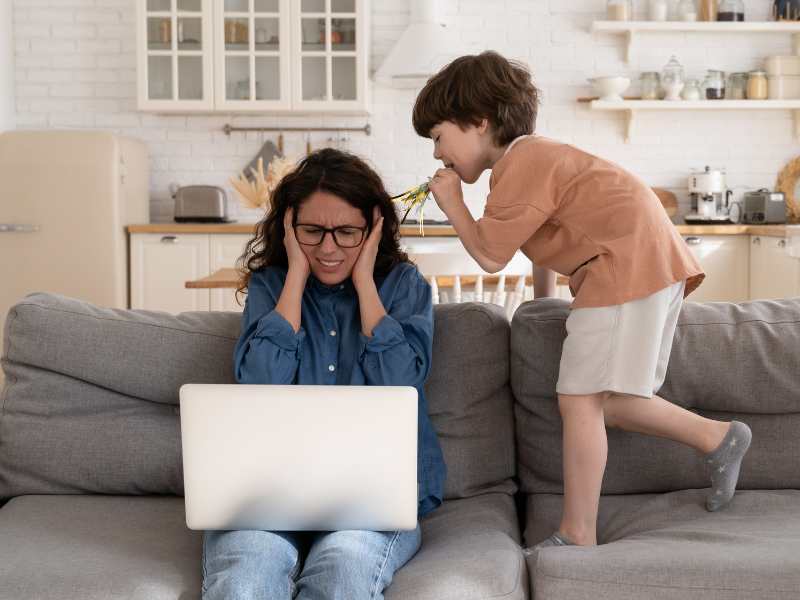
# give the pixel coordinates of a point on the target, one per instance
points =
(65, 200)
(201, 204)
(763, 207)
(710, 198)
(424, 47)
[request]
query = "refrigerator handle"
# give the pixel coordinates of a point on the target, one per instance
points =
(18, 228)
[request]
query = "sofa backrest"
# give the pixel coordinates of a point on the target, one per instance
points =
(728, 361)
(90, 398)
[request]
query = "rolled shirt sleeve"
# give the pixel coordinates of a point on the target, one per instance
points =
(268, 350)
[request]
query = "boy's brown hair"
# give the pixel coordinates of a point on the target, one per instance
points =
(480, 86)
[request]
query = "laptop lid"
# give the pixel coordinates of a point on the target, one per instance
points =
(299, 458)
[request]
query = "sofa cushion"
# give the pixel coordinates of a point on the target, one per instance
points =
(138, 548)
(728, 361)
(98, 548)
(142, 354)
(470, 551)
(469, 398)
(90, 397)
(667, 546)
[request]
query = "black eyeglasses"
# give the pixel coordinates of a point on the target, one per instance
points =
(346, 236)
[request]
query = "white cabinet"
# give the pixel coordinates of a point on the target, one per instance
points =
(175, 60)
(725, 260)
(161, 264)
(276, 56)
(251, 61)
(773, 273)
(225, 250)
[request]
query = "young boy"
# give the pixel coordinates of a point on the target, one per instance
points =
(629, 270)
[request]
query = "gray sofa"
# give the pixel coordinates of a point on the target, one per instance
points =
(656, 538)
(90, 454)
(90, 458)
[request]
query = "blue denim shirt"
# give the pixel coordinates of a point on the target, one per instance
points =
(330, 349)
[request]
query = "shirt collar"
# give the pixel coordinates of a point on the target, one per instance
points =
(317, 285)
(513, 143)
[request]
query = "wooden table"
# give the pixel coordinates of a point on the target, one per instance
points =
(224, 278)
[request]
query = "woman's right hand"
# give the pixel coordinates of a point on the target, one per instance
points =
(298, 263)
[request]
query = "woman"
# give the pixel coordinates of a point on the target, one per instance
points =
(331, 299)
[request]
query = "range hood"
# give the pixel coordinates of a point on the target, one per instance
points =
(424, 48)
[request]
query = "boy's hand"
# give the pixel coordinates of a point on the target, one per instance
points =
(446, 188)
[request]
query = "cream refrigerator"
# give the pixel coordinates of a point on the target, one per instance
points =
(66, 198)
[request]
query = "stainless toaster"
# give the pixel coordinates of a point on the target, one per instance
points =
(201, 204)
(764, 206)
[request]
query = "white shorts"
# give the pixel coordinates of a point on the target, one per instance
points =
(623, 348)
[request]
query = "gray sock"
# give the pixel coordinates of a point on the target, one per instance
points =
(723, 465)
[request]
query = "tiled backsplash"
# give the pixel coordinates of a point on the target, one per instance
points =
(76, 68)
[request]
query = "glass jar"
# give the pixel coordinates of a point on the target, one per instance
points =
(714, 85)
(658, 10)
(687, 10)
(619, 10)
(672, 80)
(786, 10)
(691, 90)
(731, 10)
(757, 85)
(737, 86)
(650, 82)
(708, 10)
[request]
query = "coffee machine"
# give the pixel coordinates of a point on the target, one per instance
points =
(710, 198)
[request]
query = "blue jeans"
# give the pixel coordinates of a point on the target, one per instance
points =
(346, 565)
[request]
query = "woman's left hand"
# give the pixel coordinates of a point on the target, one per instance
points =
(365, 265)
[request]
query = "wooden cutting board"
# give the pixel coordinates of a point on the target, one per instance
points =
(668, 201)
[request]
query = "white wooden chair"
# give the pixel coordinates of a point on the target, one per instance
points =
(455, 277)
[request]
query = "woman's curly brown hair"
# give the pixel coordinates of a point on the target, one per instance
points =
(335, 172)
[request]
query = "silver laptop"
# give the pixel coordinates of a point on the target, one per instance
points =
(299, 458)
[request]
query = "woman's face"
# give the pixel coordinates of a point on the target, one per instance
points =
(330, 263)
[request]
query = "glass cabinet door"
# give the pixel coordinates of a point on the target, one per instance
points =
(252, 56)
(175, 53)
(329, 56)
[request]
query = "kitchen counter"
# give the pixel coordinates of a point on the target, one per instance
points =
(444, 230)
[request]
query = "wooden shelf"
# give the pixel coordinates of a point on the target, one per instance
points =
(699, 26)
(631, 107)
(631, 29)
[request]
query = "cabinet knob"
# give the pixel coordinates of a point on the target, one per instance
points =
(169, 239)
(694, 240)
(782, 243)
(756, 241)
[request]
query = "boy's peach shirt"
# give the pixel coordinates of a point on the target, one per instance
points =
(584, 217)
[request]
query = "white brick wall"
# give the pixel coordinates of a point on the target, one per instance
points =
(76, 68)
(6, 67)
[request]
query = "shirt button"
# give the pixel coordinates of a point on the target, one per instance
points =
(331, 368)
(333, 332)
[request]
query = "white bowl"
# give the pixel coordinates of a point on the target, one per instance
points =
(610, 88)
